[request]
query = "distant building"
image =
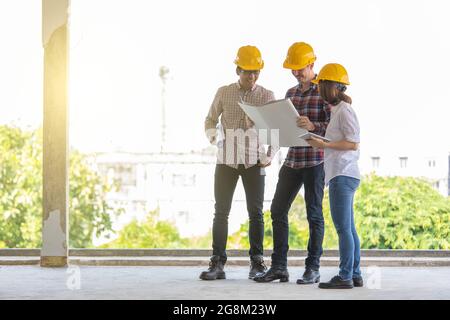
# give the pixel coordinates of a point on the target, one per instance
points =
(434, 168)
(181, 185)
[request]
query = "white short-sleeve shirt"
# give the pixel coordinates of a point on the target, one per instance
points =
(343, 125)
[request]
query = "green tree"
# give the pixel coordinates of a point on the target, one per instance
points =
(401, 213)
(21, 193)
(298, 229)
(390, 213)
(20, 188)
(150, 233)
(89, 212)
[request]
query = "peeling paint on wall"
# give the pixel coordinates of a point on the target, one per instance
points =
(56, 244)
(55, 129)
(54, 15)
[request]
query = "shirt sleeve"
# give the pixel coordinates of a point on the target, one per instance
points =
(349, 125)
(214, 113)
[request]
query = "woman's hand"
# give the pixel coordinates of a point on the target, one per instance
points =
(337, 145)
(316, 143)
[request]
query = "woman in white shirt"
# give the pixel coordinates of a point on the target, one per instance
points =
(341, 156)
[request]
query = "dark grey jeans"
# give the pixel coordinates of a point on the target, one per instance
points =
(289, 183)
(225, 181)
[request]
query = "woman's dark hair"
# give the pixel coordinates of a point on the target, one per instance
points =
(333, 92)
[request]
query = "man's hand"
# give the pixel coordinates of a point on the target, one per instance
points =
(263, 165)
(303, 122)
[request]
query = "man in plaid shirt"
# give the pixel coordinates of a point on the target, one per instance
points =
(239, 155)
(303, 166)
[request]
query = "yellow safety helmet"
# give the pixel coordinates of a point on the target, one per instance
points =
(333, 72)
(299, 55)
(249, 58)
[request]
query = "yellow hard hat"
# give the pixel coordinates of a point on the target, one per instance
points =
(249, 58)
(333, 72)
(299, 55)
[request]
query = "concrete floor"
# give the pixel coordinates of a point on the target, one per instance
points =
(182, 283)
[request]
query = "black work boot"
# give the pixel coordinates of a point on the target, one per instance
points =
(215, 270)
(336, 283)
(273, 274)
(358, 281)
(257, 266)
(309, 277)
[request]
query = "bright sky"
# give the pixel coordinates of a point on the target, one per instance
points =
(396, 52)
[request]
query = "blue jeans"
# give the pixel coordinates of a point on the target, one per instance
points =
(289, 183)
(225, 181)
(342, 191)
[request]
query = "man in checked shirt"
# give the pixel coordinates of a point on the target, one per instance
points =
(303, 166)
(239, 155)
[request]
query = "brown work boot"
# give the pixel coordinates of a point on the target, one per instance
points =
(215, 270)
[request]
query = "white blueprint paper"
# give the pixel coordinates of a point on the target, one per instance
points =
(281, 115)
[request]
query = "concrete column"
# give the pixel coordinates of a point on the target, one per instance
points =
(55, 40)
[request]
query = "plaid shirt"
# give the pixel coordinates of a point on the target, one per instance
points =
(311, 105)
(244, 151)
